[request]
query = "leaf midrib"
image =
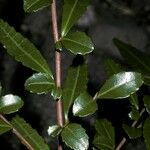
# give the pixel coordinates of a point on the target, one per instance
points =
(73, 41)
(114, 87)
(75, 137)
(26, 133)
(72, 10)
(144, 65)
(19, 47)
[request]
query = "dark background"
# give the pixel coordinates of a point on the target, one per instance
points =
(128, 20)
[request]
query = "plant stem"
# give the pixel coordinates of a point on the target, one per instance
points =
(22, 139)
(123, 141)
(59, 105)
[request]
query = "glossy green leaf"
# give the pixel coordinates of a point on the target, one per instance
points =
(54, 130)
(72, 11)
(75, 84)
(40, 83)
(105, 137)
(146, 133)
(147, 103)
(75, 137)
(84, 105)
(35, 5)
(56, 93)
(133, 56)
(132, 132)
(29, 134)
(22, 49)
(121, 85)
(134, 100)
(77, 43)
(147, 80)
(134, 114)
(4, 127)
(10, 103)
(112, 67)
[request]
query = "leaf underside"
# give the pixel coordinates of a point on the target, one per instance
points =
(4, 127)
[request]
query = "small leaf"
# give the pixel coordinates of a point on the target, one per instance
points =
(132, 132)
(112, 67)
(29, 134)
(147, 103)
(133, 56)
(147, 80)
(75, 137)
(56, 93)
(22, 49)
(75, 84)
(72, 11)
(40, 83)
(35, 5)
(10, 103)
(54, 130)
(84, 105)
(146, 133)
(121, 85)
(134, 100)
(134, 114)
(4, 127)
(105, 137)
(77, 43)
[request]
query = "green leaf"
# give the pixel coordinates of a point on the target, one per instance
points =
(22, 49)
(56, 93)
(84, 105)
(10, 103)
(112, 67)
(54, 130)
(105, 137)
(40, 83)
(134, 114)
(132, 132)
(29, 134)
(146, 133)
(133, 56)
(4, 127)
(35, 5)
(147, 103)
(121, 85)
(147, 80)
(134, 100)
(74, 85)
(72, 11)
(75, 137)
(77, 43)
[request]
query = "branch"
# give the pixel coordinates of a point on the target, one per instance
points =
(59, 105)
(123, 141)
(23, 141)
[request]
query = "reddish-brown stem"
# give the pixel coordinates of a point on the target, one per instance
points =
(59, 105)
(22, 139)
(123, 141)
